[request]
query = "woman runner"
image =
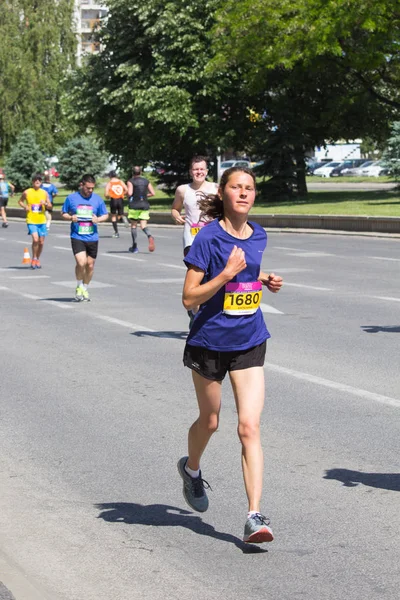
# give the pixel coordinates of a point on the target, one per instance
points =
(228, 335)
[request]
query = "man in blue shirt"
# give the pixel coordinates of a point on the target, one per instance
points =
(85, 210)
(5, 188)
(52, 192)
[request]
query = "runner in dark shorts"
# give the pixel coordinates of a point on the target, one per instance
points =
(85, 210)
(228, 335)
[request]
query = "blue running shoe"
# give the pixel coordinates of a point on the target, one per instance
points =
(193, 488)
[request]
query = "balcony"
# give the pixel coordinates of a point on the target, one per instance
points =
(90, 47)
(88, 25)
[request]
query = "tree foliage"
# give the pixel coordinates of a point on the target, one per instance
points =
(77, 157)
(25, 159)
(392, 154)
(147, 94)
(37, 48)
(310, 68)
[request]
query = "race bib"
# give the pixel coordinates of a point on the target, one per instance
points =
(84, 212)
(242, 298)
(195, 228)
(36, 208)
(85, 228)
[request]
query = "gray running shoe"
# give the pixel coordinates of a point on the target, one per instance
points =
(257, 530)
(115, 235)
(193, 488)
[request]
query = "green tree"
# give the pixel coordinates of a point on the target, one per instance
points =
(25, 159)
(77, 157)
(392, 153)
(147, 95)
(37, 49)
(306, 91)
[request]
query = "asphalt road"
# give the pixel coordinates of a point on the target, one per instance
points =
(95, 407)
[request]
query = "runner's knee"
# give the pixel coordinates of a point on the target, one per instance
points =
(248, 431)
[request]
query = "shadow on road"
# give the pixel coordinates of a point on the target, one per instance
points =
(179, 335)
(162, 515)
(70, 299)
(383, 481)
(381, 328)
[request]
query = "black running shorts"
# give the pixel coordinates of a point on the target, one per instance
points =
(215, 365)
(117, 206)
(3, 202)
(89, 247)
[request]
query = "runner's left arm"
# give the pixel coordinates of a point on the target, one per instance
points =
(151, 191)
(271, 281)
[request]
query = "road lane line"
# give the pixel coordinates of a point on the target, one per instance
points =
(160, 280)
(123, 257)
(122, 323)
(309, 287)
(270, 309)
(385, 298)
(172, 266)
(62, 248)
(384, 258)
(334, 385)
(30, 277)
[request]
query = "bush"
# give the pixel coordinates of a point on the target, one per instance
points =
(80, 156)
(25, 159)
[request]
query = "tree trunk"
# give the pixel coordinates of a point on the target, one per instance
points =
(300, 172)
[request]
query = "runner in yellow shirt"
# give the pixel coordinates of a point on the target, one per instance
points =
(35, 201)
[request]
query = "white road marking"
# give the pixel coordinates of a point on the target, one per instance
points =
(266, 308)
(3, 239)
(342, 387)
(26, 243)
(29, 296)
(384, 258)
(122, 323)
(123, 257)
(160, 280)
(173, 266)
(62, 235)
(385, 298)
(30, 277)
(6, 269)
(286, 248)
(309, 287)
(62, 248)
(310, 254)
(5, 289)
(93, 284)
(278, 271)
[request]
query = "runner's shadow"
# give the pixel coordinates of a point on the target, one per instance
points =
(179, 335)
(19, 268)
(382, 328)
(384, 481)
(162, 515)
(59, 300)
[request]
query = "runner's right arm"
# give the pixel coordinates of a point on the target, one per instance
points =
(22, 201)
(177, 206)
(195, 292)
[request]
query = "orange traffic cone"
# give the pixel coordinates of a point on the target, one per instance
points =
(27, 257)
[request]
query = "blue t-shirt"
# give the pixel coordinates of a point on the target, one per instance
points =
(51, 190)
(213, 328)
(4, 189)
(84, 229)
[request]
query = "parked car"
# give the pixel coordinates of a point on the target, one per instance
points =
(227, 164)
(326, 169)
(343, 168)
(356, 172)
(311, 167)
(377, 169)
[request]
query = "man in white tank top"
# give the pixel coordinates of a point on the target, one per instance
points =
(187, 195)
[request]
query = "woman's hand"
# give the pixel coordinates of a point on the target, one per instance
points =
(272, 281)
(236, 263)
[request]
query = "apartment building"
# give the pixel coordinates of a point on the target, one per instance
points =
(88, 16)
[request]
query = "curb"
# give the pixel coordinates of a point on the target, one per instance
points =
(306, 223)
